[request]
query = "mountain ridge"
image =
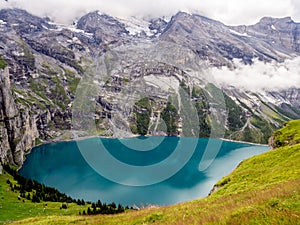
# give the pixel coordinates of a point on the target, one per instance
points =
(46, 62)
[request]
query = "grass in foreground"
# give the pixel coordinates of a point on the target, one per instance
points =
(264, 189)
(277, 205)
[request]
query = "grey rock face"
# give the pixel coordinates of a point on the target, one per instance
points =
(272, 36)
(104, 28)
(18, 129)
(270, 39)
(23, 22)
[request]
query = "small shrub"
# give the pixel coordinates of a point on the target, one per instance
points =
(154, 217)
(3, 63)
(274, 202)
(224, 181)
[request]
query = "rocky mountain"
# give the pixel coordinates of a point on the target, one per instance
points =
(269, 39)
(144, 77)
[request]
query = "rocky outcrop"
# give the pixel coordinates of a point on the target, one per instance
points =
(157, 25)
(271, 142)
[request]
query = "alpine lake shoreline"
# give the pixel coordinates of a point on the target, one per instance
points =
(137, 136)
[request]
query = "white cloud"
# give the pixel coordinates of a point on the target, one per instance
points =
(229, 12)
(260, 76)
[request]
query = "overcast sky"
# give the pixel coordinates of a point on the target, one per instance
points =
(231, 12)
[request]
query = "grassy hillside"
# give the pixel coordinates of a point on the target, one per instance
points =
(12, 207)
(264, 189)
(288, 135)
(22, 198)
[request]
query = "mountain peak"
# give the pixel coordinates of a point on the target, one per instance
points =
(22, 21)
(268, 20)
(96, 20)
(181, 13)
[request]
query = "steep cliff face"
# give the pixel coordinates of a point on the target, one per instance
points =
(18, 127)
(27, 120)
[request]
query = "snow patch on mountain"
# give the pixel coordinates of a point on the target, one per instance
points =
(239, 34)
(60, 27)
(136, 26)
(76, 30)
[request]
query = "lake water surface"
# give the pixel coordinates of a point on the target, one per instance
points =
(83, 169)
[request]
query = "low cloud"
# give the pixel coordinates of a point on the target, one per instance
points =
(260, 76)
(231, 12)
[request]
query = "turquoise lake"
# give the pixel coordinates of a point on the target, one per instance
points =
(140, 171)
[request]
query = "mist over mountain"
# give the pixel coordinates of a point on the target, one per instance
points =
(231, 12)
(260, 76)
(145, 76)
